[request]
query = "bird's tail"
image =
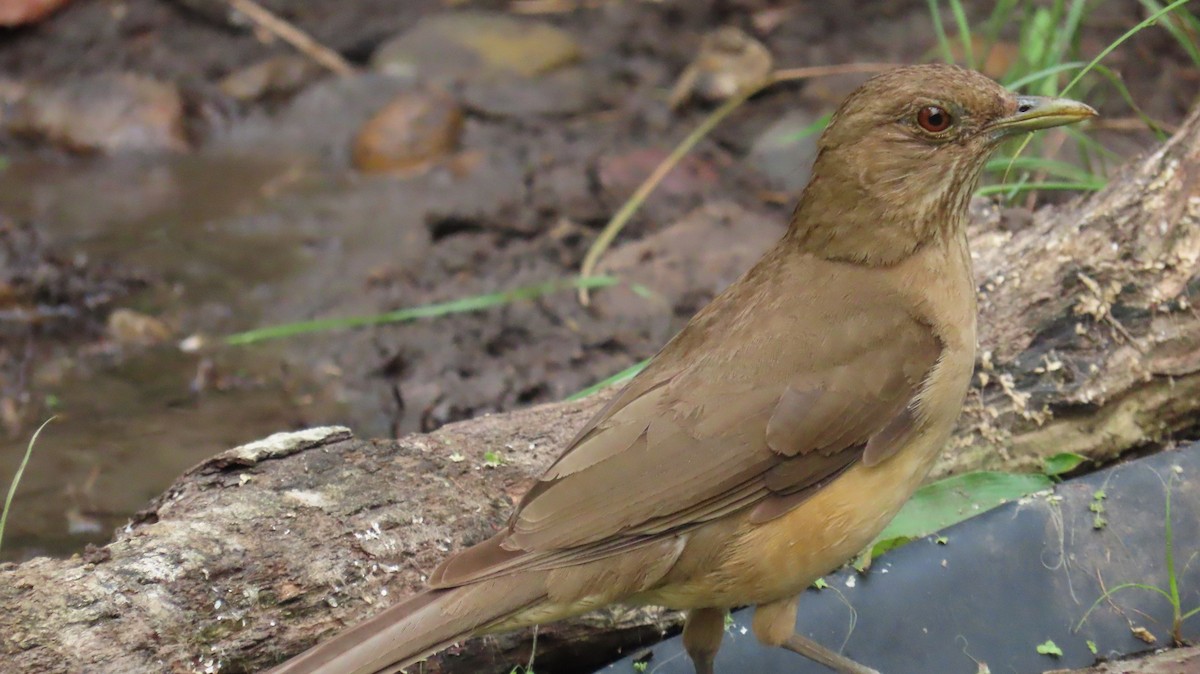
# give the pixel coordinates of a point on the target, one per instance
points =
(417, 627)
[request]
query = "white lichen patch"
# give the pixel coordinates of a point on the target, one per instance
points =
(283, 444)
(308, 497)
(157, 567)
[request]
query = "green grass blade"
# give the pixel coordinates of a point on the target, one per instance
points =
(1060, 169)
(1037, 32)
(1111, 592)
(1177, 31)
(1002, 14)
(607, 235)
(1084, 186)
(12, 488)
(1148, 21)
(468, 304)
(1091, 144)
(623, 375)
(1037, 75)
(964, 32)
(1068, 32)
(1169, 544)
(1117, 82)
(1108, 74)
(940, 31)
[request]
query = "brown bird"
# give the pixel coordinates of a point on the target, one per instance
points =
(777, 434)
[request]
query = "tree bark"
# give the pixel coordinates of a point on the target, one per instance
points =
(1089, 343)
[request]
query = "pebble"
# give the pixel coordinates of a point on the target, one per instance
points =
(476, 45)
(23, 12)
(131, 328)
(408, 133)
(621, 174)
(108, 113)
(276, 76)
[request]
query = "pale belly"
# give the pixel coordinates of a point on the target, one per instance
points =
(780, 558)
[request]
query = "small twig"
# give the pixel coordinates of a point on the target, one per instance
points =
(550, 6)
(622, 216)
(1106, 311)
(292, 35)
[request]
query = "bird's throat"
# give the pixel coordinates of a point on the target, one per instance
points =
(845, 222)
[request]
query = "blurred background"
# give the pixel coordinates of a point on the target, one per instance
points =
(173, 172)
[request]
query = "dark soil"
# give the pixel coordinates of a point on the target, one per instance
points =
(264, 222)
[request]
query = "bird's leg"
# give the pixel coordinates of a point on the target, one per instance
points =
(702, 637)
(775, 625)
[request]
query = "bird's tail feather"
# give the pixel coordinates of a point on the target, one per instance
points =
(415, 628)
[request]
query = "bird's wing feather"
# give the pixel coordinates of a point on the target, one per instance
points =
(667, 454)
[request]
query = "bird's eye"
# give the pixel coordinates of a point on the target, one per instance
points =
(934, 119)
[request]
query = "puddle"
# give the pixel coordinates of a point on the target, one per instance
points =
(131, 419)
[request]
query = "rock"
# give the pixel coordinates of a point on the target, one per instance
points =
(408, 133)
(276, 76)
(728, 62)
(110, 112)
(131, 328)
(621, 174)
(784, 152)
(476, 45)
(321, 121)
(22, 12)
(564, 92)
(683, 267)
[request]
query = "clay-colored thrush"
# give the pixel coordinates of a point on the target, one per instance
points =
(777, 434)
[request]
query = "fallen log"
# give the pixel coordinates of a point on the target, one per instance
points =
(1089, 343)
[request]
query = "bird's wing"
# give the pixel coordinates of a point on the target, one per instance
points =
(669, 453)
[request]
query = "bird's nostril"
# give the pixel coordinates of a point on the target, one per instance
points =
(1024, 107)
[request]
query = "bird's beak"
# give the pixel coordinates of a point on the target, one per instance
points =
(1041, 112)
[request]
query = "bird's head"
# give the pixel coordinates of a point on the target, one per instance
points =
(900, 159)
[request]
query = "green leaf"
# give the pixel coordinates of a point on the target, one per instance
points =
(954, 499)
(1062, 463)
(1092, 647)
(820, 584)
(1049, 648)
(882, 545)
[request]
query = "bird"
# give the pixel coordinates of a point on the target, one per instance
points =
(777, 434)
